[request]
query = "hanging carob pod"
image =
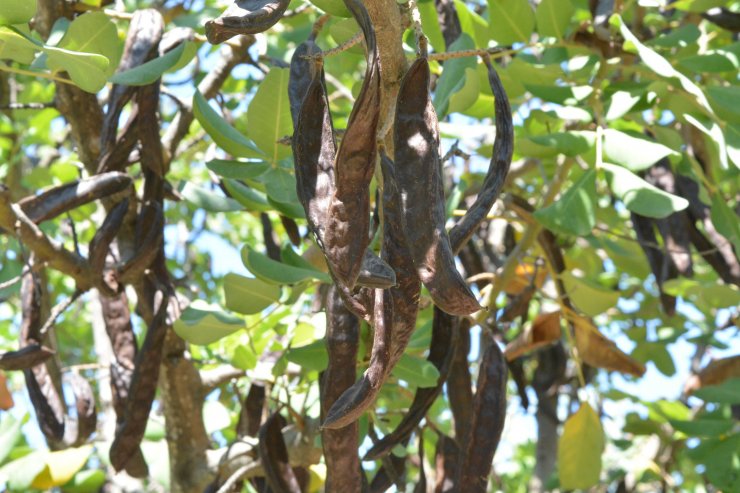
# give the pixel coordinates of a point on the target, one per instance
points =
(340, 446)
(419, 175)
(445, 336)
(273, 455)
(314, 154)
(488, 417)
(245, 17)
(44, 395)
(503, 150)
(27, 357)
(395, 311)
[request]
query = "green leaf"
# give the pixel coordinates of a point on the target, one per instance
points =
(248, 296)
(275, 272)
(251, 199)
(579, 450)
(244, 358)
(279, 184)
(472, 23)
(333, 7)
(681, 37)
(640, 196)
(720, 295)
(590, 298)
(571, 143)
(416, 371)
(202, 323)
(268, 115)
(15, 47)
(17, 11)
(621, 102)
(467, 95)
(88, 70)
(20, 473)
(728, 392)
(147, 73)
(311, 356)
(10, 432)
(238, 170)
(725, 220)
(453, 76)
(430, 24)
(702, 427)
(565, 95)
(94, 32)
(206, 199)
(634, 153)
(292, 209)
(223, 134)
(553, 17)
(512, 21)
(87, 481)
(710, 63)
(574, 212)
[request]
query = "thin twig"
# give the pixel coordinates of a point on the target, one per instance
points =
(27, 106)
(298, 10)
(58, 310)
(492, 52)
(236, 477)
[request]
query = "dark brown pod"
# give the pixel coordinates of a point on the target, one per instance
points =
(107, 232)
(503, 149)
(488, 417)
(245, 17)
(347, 230)
(87, 417)
(340, 446)
(441, 351)
(58, 200)
(274, 456)
(141, 391)
(660, 264)
(46, 402)
(375, 272)
(24, 358)
(302, 72)
(447, 465)
(419, 174)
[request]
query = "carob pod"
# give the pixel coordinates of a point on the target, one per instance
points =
(314, 150)
(419, 175)
(395, 320)
(375, 272)
(393, 469)
(340, 446)
(44, 395)
(488, 417)
(459, 387)
(447, 459)
(353, 402)
(149, 236)
(347, 230)
(421, 485)
(503, 149)
(250, 417)
(87, 416)
(105, 235)
(245, 17)
(130, 431)
(274, 456)
(27, 357)
(58, 200)
(445, 335)
(660, 264)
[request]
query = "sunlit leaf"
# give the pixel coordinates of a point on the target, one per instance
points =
(579, 450)
(574, 212)
(248, 296)
(202, 323)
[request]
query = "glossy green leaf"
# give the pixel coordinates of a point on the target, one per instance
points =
(238, 170)
(728, 392)
(247, 296)
(333, 7)
(589, 297)
(579, 450)
(725, 220)
(473, 24)
(202, 323)
(208, 200)
(512, 21)
(147, 73)
(416, 371)
(430, 24)
(17, 11)
(702, 427)
(244, 358)
(571, 143)
(223, 134)
(311, 356)
(88, 70)
(467, 95)
(15, 47)
(641, 197)
(553, 17)
(279, 184)
(251, 199)
(275, 272)
(268, 115)
(575, 211)
(94, 32)
(634, 153)
(453, 76)
(566, 95)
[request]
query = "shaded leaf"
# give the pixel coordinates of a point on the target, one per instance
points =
(574, 212)
(208, 200)
(275, 272)
(248, 296)
(223, 134)
(416, 371)
(512, 21)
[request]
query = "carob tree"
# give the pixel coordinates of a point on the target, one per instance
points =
(357, 179)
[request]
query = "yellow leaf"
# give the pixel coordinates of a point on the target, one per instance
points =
(596, 350)
(61, 466)
(580, 449)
